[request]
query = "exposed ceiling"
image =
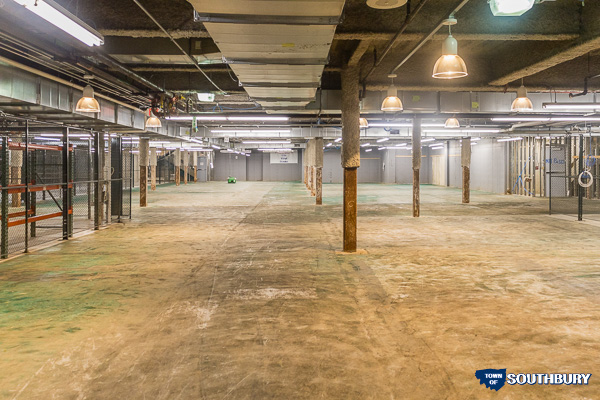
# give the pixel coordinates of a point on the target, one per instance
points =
(283, 51)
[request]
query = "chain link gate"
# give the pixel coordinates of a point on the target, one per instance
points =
(49, 181)
(572, 165)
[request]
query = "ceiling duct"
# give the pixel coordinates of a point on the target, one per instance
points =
(277, 49)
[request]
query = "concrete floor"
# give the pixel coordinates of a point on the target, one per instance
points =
(220, 291)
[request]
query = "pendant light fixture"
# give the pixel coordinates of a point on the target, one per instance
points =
(392, 102)
(363, 123)
(87, 103)
(152, 121)
(450, 65)
(522, 102)
(510, 8)
(452, 123)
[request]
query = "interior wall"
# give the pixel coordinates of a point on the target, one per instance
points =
(281, 172)
(488, 166)
(227, 165)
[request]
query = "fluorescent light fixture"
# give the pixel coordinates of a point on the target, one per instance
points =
(453, 131)
(276, 150)
(48, 139)
(572, 106)
(329, 145)
(258, 118)
(266, 142)
(437, 148)
(206, 97)
(510, 139)
(368, 150)
(198, 118)
(385, 139)
(427, 140)
(546, 119)
(402, 144)
(381, 148)
(338, 140)
(215, 147)
(64, 20)
(251, 131)
(402, 125)
(365, 145)
(510, 8)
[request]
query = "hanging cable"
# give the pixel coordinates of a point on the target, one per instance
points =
(192, 59)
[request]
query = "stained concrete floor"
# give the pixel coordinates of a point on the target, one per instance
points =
(220, 291)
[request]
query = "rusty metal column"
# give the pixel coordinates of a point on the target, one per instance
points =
(186, 166)
(153, 163)
(144, 147)
(416, 164)
(350, 152)
(319, 170)
(304, 164)
(309, 161)
(177, 163)
(465, 162)
(195, 164)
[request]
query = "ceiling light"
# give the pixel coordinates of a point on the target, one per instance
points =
(452, 123)
(386, 4)
(338, 140)
(365, 145)
(392, 102)
(87, 103)
(368, 150)
(427, 140)
(381, 148)
(463, 131)
(276, 150)
(521, 119)
(152, 121)
(510, 139)
(206, 97)
(266, 142)
(260, 118)
(329, 145)
(510, 8)
(64, 20)
(385, 139)
(522, 102)
(572, 106)
(450, 65)
(363, 123)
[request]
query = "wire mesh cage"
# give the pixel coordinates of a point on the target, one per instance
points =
(57, 181)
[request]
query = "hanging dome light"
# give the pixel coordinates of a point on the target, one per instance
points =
(392, 102)
(87, 103)
(510, 8)
(450, 65)
(522, 102)
(152, 121)
(363, 122)
(452, 123)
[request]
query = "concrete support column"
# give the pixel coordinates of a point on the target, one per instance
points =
(153, 164)
(195, 164)
(99, 178)
(16, 166)
(186, 165)
(350, 152)
(144, 148)
(319, 170)
(416, 164)
(465, 161)
(177, 163)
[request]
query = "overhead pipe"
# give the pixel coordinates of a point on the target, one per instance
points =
(409, 18)
(192, 59)
(439, 26)
(585, 86)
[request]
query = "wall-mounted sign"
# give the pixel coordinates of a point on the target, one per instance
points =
(284, 158)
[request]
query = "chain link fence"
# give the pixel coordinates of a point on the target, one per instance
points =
(58, 181)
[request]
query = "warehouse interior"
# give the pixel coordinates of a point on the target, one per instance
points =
(248, 199)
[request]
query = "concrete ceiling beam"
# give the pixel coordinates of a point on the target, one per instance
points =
(377, 36)
(577, 49)
(384, 36)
